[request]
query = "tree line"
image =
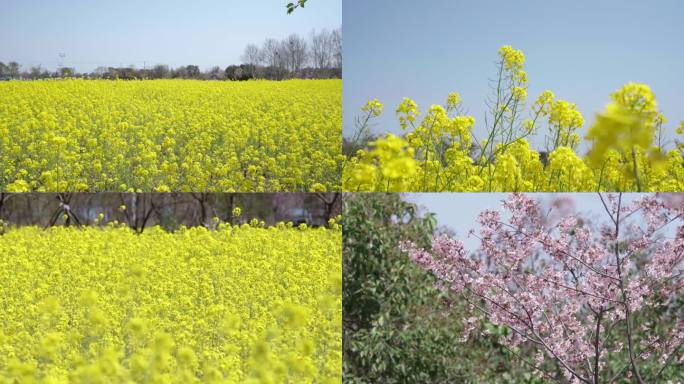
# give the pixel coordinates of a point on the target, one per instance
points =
(317, 56)
(168, 210)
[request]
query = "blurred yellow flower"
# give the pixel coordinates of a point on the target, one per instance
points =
(228, 305)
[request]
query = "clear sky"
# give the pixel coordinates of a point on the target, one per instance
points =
(458, 211)
(582, 50)
(96, 33)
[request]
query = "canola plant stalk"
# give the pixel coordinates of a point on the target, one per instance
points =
(439, 154)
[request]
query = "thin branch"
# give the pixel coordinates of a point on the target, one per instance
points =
(630, 343)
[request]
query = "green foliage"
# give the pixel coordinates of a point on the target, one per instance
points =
(398, 327)
(292, 6)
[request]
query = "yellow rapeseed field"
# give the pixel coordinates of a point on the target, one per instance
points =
(170, 135)
(236, 304)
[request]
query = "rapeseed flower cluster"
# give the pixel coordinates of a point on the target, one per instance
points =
(231, 305)
(439, 151)
(170, 135)
(374, 107)
(513, 61)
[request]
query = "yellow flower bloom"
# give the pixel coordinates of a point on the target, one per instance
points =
(439, 152)
(180, 307)
(171, 135)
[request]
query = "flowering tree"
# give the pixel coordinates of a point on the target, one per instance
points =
(582, 302)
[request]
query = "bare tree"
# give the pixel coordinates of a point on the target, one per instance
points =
(139, 209)
(331, 202)
(160, 71)
(167, 210)
(321, 48)
(251, 55)
(13, 68)
(202, 200)
(270, 51)
(296, 50)
(34, 73)
(3, 198)
(64, 210)
(66, 72)
(193, 71)
(336, 41)
(215, 73)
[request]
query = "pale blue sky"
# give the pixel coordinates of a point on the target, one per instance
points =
(582, 50)
(96, 33)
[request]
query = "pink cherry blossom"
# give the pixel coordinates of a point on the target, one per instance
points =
(570, 289)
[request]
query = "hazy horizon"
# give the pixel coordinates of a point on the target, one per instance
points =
(205, 33)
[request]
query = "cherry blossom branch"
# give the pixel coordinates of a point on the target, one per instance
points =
(560, 360)
(565, 288)
(651, 344)
(542, 242)
(610, 214)
(537, 337)
(579, 290)
(597, 350)
(514, 329)
(538, 368)
(667, 362)
(628, 314)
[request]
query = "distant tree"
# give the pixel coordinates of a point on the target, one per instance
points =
(192, 71)
(179, 73)
(160, 72)
(66, 72)
(98, 72)
(35, 73)
(336, 42)
(128, 73)
(273, 73)
(318, 56)
(270, 52)
(230, 72)
(321, 48)
(240, 72)
(215, 73)
(295, 48)
(251, 55)
(248, 71)
(13, 68)
(107, 73)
